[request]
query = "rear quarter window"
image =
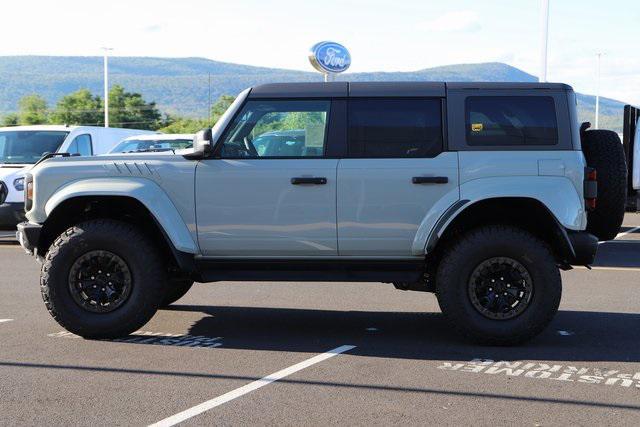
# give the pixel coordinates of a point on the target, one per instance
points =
(511, 121)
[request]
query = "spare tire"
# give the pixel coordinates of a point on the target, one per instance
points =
(603, 151)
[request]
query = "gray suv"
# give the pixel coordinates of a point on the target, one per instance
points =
(477, 192)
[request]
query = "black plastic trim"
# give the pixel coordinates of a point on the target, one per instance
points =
(433, 237)
(584, 247)
(430, 179)
(30, 235)
(334, 270)
(303, 180)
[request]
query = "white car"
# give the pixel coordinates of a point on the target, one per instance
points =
(22, 146)
(478, 192)
(160, 143)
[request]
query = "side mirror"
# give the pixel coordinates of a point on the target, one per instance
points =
(202, 145)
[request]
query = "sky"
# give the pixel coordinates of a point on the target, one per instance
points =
(382, 35)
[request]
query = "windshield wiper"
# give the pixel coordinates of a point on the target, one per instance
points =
(46, 156)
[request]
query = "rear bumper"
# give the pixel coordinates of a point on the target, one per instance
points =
(584, 245)
(11, 214)
(28, 235)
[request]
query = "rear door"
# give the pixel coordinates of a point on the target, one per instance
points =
(272, 191)
(396, 171)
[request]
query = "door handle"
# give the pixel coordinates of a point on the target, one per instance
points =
(430, 179)
(308, 180)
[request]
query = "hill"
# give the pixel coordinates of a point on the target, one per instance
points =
(181, 85)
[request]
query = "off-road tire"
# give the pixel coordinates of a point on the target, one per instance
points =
(473, 248)
(177, 289)
(148, 279)
(604, 152)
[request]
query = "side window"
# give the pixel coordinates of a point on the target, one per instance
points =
(81, 144)
(511, 120)
(395, 128)
(278, 128)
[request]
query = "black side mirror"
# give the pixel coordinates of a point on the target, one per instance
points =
(202, 145)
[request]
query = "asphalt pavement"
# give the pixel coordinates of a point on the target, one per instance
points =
(235, 353)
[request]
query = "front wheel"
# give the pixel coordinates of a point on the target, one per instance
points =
(97, 284)
(499, 285)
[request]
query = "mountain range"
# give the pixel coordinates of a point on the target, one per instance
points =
(182, 86)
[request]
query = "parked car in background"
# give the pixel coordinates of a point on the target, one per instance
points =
(22, 146)
(169, 143)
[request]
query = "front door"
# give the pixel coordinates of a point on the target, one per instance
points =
(396, 172)
(272, 192)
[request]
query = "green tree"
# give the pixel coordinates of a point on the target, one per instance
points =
(10, 120)
(130, 110)
(184, 125)
(79, 108)
(221, 105)
(32, 110)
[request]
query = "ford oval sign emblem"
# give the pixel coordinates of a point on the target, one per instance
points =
(329, 57)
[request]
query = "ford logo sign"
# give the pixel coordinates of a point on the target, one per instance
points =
(329, 57)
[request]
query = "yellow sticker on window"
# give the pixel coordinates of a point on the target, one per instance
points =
(476, 127)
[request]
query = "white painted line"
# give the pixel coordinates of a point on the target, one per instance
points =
(5, 320)
(626, 242)
(234, 394)
(565, 333)
(581, 267)
(371, 329)
(632, 230)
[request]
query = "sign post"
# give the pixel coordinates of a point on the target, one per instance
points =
(330, 58)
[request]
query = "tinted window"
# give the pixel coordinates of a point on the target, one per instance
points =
(278, 129)
(81, 144)
(395, 127)
(511, 120)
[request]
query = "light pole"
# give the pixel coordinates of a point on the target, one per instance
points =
(544, 39)
(106, 85)
(599, 55)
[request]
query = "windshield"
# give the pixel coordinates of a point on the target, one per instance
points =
(27, 146)
(132, 145)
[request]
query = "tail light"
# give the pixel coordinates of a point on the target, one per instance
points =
(28, 193)
(590, 188)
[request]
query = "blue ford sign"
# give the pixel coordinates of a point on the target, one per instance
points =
(329, 57)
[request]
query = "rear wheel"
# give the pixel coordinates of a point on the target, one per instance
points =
(96, 284)
(498, 285)
(603, 151)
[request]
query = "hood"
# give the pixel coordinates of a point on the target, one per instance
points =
(9, 173)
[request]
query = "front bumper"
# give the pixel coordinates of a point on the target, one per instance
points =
(584, 245)
(28, 235)
(11, 214)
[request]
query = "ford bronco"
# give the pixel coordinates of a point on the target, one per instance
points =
(477, 192)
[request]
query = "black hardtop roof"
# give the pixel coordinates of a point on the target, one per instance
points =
(405, 89)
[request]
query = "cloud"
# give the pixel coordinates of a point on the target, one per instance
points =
(464, 21)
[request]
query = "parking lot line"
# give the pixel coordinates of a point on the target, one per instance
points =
(210, 404)
(5, 320)
(581, 267)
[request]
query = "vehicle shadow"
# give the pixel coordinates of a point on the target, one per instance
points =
(573, 336)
